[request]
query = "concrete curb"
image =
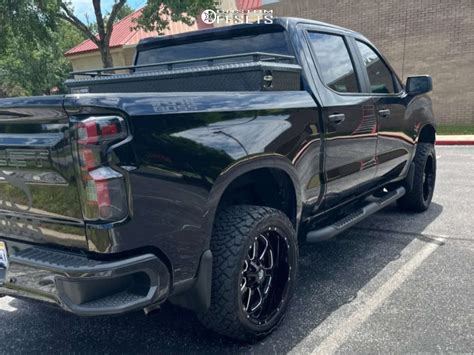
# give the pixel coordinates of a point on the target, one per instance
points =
(454, 142)
(455, 139)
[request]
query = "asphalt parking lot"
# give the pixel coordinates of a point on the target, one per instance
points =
(394, 283)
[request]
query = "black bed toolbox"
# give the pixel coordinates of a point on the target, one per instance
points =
(246, 76)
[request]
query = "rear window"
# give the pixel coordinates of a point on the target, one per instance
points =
(274, 42)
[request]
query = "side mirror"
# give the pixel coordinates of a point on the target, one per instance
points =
(420, 84)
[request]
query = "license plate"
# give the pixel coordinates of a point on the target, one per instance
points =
(3, 256)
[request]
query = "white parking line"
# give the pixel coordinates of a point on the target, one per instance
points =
(335, 330)
(5, 304)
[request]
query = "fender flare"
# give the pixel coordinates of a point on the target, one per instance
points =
(241, 167)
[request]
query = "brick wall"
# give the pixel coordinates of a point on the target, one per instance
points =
(433, 37)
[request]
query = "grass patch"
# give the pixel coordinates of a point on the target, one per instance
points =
(454, 129)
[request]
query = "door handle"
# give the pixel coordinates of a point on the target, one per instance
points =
(337, 118)
(384, 112)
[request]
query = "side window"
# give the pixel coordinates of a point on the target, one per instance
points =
(382, 80)
(334, 61)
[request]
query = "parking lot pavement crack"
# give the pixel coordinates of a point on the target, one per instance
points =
(429, 238)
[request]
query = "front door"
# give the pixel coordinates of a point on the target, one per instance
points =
(394, 145)
(349, 118)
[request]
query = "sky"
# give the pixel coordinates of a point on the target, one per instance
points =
(84, 10)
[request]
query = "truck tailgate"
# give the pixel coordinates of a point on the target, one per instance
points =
(39, 198)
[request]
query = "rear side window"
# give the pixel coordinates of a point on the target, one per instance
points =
(335, 62)
(382, 80)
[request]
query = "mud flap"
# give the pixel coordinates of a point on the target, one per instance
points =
(198, 297)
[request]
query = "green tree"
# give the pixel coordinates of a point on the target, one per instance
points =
(33, 68)
(32, 43)
(34, 34)
(104, 25)
(123, 12)
(25, 20)
(157, 15)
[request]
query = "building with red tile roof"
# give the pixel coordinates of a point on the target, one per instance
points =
(246, 5)
(123, 41)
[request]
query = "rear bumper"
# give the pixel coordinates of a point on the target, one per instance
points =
(84, 286)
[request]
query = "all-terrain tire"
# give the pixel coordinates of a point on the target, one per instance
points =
(418, 199)
(235, 229)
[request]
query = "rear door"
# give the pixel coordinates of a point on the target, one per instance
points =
(348, 116)
(394, 145)
(39, 200)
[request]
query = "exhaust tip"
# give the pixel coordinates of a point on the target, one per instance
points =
(152, 310)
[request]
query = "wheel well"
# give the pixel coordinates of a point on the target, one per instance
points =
(262, 187)
(427, 134)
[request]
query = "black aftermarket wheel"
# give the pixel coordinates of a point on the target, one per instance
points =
(421, 194)
(254, 271)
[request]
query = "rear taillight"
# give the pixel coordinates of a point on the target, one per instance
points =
(102, 188)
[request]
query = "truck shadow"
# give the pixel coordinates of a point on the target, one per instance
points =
(331, 274)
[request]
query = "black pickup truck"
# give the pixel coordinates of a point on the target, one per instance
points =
(194, 175)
